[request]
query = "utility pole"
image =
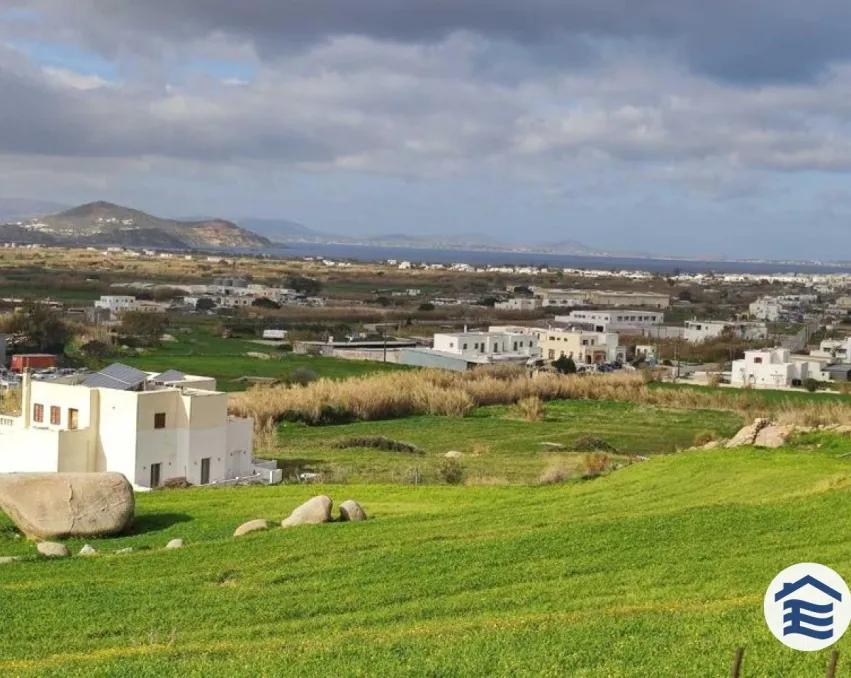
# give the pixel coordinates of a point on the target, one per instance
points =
(384, 335)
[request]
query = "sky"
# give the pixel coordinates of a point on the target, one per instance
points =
(681, 127)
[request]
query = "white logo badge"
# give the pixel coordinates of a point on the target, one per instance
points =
(808, 607)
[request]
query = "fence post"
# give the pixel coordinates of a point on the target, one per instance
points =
(831, 667)
(737, 663)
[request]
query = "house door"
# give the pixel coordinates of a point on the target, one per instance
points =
(205, 471)
(73, 419)
(156, 474)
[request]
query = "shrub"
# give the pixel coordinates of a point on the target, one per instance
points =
(811, 384)
(450, 471)
(532, 408)
(714, 380)
(592, 444)
(302, 376)
(557, 471)
(596, 464)
(179, 483)
(702, 438)
(377, 443)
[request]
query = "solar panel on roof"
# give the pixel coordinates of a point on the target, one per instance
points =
(116, 376)
(169, 376)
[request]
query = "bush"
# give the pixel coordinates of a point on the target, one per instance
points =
(179, 483)
(702, 438)
(714, 380)
(565, 365)
(377, 443)
(532, 408)
(556, 472)
(596, 464)
(592, 444)
(300, 376)
(450, 471)
(811, 384)
(426, 306)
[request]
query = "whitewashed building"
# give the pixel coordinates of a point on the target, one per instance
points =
(834, 350)
(775, 367)
(486, 347)
(614, 321)
(698, 331)
(115, 303)
(150, 427)
(519, 304)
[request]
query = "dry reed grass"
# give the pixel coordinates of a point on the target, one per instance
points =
(532, 409)
(10, 403)
(434, 392)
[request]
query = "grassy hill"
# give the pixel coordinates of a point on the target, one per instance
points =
(657, 570)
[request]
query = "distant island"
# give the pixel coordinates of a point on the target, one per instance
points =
(104, 223)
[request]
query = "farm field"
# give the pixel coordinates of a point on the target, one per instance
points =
(200, 352)
(656, 570)
(498, 446)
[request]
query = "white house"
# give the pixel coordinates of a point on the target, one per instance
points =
(697, 331)
(584, 347)
(775, 367)
(148, 426)
(116, 304)
(614, 321)
(521, 304)
(487, 347)
(834, 350)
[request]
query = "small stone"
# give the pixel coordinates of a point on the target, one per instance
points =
(129, 549)
(251, 526)
(311, 512)
(88, 551)
(5, 560)
(52, 549)
(175, 544)
(453, 454)
(351, 512)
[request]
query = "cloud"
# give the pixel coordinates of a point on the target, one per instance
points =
(735, 40)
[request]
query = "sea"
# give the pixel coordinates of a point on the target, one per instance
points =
(365, 253)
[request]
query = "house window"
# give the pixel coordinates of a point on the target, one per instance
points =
(515, 345)
(38, 413)
(55, 415)
(465, 347)
(757, 361)
(159, 420)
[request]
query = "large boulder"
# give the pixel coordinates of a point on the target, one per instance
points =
(175, 544)
(88, 550)
(251, 526)
(747, 435)
(63, 505)
(311, 512)
(773, 436)
(53, 550)
(351, 512)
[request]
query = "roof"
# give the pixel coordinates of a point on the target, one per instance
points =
(169, 376)
(116, 376)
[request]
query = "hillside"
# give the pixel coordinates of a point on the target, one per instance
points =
(104, 223)
(282, 230)
(14, 209)
(657, 570)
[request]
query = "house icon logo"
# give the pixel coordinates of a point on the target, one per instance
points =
(808, 607)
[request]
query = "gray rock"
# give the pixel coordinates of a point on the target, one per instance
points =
(311, 512)
(63, 505)
(773, 436)
(88, 551)
(747, 435)
(175, 544)
(121, 552)
(53, 550)
(351, 512)
(6, 560)
(251, 526)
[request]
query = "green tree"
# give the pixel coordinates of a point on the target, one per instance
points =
(146, 328)
(304, 285)
(205, 304)
(383, 301)
(565, 365)
(426, 306)
(41, 326)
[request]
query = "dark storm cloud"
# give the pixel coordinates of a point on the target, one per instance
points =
(737, 40)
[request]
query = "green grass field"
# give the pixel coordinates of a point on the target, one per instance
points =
(656, 570)
(497, 444)
(204, 353)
